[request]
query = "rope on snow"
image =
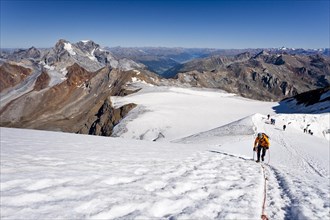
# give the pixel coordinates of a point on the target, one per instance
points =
(263, 214)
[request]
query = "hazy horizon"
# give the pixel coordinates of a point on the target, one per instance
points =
(213, 24)
(169, 47)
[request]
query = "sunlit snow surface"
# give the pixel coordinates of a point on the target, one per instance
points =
(55, 175)
(69, 48)
(208, 173)
(179, 112)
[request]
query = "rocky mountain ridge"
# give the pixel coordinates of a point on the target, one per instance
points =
(56, 60)
(263, 76)
(67, 88)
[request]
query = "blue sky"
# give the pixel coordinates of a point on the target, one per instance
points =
(168, 23)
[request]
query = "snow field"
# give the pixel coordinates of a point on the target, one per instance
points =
(317, 123)
(180, 112)
(201, 168)
(97, 178)
(298, 171)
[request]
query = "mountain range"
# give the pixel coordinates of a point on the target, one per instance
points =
(162, 59)
(263, 76)
(68, 87)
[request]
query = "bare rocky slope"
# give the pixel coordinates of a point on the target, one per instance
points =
(11, 75)
(263, 76)
(70, 90)
(79, 104)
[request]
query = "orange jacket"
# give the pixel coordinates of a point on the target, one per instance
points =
(264, 142)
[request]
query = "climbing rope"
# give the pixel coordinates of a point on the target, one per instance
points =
(263, 214)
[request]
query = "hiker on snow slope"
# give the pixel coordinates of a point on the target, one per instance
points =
(261, 144)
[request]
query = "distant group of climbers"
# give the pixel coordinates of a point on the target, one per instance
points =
(309, 131)
(306, 130)
(272, 121)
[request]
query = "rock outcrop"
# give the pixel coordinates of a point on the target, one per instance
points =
(106, 118)
(314, 96)
(312, 102)
(42, 81)
(11, 75)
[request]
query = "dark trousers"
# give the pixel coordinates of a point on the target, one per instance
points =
(263, 149)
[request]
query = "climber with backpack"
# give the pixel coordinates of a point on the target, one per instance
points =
(261, 143)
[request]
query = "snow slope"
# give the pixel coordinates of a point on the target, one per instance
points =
(179, 112)
(49, 175)
(201, 170)
(297, 163)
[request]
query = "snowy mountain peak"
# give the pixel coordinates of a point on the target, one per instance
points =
(63, 46)
(85, 41)
(60, 43)
(87, 54)
(87, 46)
(69, 48)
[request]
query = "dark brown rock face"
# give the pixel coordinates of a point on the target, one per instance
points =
(11, 75)
(80, 104)
(107, 118)
(42, 81)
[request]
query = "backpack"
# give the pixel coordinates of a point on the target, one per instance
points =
(266, 136)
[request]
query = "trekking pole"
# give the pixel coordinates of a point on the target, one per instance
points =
(268, 155)
(253, 153)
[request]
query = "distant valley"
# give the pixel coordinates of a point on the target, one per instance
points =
(163, 60)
